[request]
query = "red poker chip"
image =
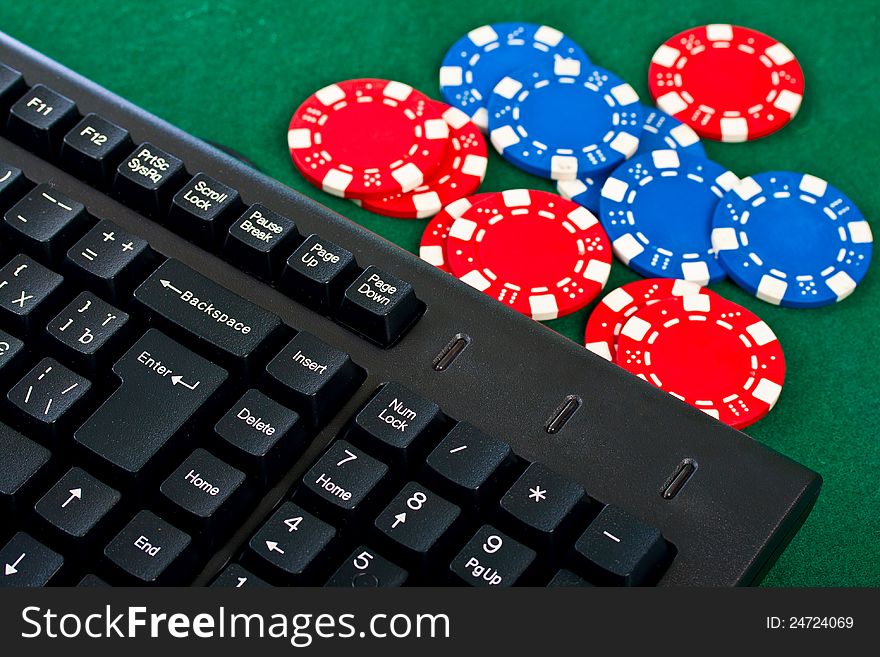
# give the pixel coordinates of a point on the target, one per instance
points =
(727, 82)
(535, 251)
(460, 173)
(707, 351)
(433, 245)
(367, 137)
(611, 313)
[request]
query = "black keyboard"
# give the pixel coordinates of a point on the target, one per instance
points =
(209, 379)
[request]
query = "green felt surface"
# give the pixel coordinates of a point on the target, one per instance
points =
(233, 72)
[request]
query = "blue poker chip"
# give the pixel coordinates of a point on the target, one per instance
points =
(477, 61)
(792, 239)
(657, 208)
(659, 131)
(565, 122)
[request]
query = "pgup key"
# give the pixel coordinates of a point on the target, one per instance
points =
(164, 385)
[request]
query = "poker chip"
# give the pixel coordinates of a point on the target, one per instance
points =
(659, 131)
(611, 313)
(792, 239)
(459, 174)
(657, 209)
(566, 122)
(367, 137)
(534, 251)
(476, 62)
(433, 245)
(707, 351)
(727, 82)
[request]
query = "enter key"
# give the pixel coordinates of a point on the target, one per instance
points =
(163, 386)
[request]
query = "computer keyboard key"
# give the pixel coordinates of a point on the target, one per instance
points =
(191, 304)
(317, 378)
(12, 87)
(204, 495)
(261, 436)
(92, 581)
(236, 577)
(77, 505)
(148, 550)
(340, 482)
(566, 578)
(39, 120)
(289, 543)
(93, 148)
(163, 386)
(87, 329)
(621, 550)
(109, 259)
(541, 502)
(13, 185)
(467, 462)
(394, 422)
(365, 568)
(27, 289)
(28, 563)
(259, 241)
(146, 179)
(317, 273)
(48, 393)
(43, 222)
(10, 350)
(201, 209)
(416, 522)
(491, 558)
(22, 475)
(379, 306)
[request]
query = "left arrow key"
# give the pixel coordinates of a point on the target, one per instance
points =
(195, 308)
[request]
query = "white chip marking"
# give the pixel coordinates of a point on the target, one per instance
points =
(600, 349)
(568, 189)
(636, 328)
(779, 54)
(734, 130)
(672, 103)
(436, 129)
(299, 138)
(397, 90)
(665, 56)
(771, 289)
(483, 35)
(719, 32)
(841, 284)
(451, 76)
(336, 182)
(409, 176)
(475, 165)
(516, 198)
(684, 135)
(625, 143)
(767, 391)
(462, 229)
(624, 94)
(788, 101)
(813, 185)
(330, 95)
(666, 159)
(433, 255)
(615, 189)
(724, 239)
(627, 247)
(476, 280)
(563, 167)
(860, 232)
(761, 333)
(618, 299)
(549, 35)
(747, 188)
(503, 138)
(508, 87)
(696, 303)
(697, 272)
(543, 307)
(582, 218)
